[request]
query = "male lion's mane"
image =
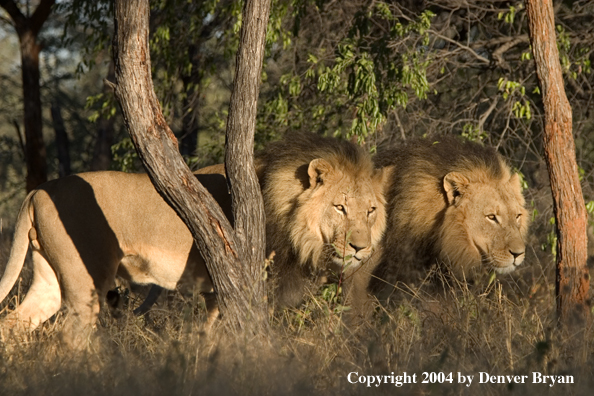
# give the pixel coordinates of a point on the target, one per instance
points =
(283, 173)
(417, 232)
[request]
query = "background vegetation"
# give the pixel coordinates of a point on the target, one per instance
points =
(372, 70)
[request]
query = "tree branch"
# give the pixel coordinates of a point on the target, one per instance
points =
(462, 46)
(498, 53)
(40, 15)
(15, 13)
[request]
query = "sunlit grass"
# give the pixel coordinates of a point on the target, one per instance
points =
(440, 326)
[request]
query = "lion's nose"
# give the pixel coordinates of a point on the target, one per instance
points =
(516, 254)
(356, 247)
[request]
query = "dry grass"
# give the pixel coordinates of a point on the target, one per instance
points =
(505, 328)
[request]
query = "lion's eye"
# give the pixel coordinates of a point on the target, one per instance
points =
(371, 210)
(518, 216)
(493, 218)
(340, 209)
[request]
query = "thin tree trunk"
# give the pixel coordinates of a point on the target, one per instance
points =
(248, 205)
(27, 29)
(192, 86)
(36, 153)
(105, 132)
(241, 297)
(189, 135)
(62, 143)
(573, 279)
(20, 137)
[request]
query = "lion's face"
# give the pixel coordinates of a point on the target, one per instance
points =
(340, 217)
(486, 220)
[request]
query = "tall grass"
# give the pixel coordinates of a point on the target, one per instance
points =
(439, 326)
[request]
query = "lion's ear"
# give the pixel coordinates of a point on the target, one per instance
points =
(455, 185)
(318, 169)
(383, 176)
(516, 182)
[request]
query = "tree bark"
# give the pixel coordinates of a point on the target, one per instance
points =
(105, 132)
(241, 297)
(62, 142)
(248, 205)
(27, 29)
(192, 87)
(573, 279)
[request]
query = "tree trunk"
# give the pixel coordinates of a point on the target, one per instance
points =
(248, 205)
(241, 296)
(62, 143)
(105, 132)
(27, 29)
(36, 154)
(192, 87)
(573, 279)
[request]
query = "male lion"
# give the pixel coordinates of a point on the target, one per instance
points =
(454, 202)
(325, 213)
(84, 229)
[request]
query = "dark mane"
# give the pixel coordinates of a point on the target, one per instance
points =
(439, 156)
(417, 201)
(299, 149)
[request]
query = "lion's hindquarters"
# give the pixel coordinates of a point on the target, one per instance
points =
(82, 229)
(43, 298)
(18, 251)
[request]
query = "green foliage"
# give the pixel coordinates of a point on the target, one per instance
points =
(516, 93)
(590, 207)
(352, 93)
(473, 133)
(575, 59)
(551, 242)
(509, 16)
(590, 210)
(125, 157)
(523, 182)
(179, 49)
(331, 293)
(102, 105)
(91, 22)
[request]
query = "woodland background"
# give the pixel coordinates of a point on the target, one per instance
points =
(370, 70)
(374, 70)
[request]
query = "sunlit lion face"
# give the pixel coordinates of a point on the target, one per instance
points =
(486, 223)
(340, 217)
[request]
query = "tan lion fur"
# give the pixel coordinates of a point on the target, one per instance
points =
(322, 198)
(84, 229)
(442, 194)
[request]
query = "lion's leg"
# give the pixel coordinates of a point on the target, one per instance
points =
(80, 322)
(83, 294)
(43, 298)
(356, 296)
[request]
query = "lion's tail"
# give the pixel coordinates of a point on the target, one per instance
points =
(18, 251)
